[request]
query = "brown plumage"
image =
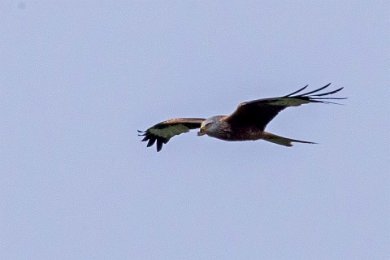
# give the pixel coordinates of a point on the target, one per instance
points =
(247, 122)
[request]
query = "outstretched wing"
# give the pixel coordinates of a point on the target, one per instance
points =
(165, 130)
(258, 113)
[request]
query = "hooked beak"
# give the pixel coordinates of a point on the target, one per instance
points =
(201, 132)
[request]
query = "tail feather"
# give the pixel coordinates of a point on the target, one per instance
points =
(282, 140)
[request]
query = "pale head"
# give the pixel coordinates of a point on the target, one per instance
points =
(209, 126)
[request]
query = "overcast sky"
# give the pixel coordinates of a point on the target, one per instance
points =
(78, 78)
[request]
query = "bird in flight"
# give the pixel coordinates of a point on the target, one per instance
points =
(247, 122)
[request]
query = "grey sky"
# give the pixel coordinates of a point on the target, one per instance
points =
(78, 78)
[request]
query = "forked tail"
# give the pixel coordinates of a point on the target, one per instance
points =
(282, 140)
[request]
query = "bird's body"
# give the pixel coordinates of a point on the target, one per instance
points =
(246, 123)
(225, 131)
(222, 130)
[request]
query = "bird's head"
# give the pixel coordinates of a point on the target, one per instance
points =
(203, 127)
(208, 126)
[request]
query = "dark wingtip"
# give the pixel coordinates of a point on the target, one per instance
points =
(159, 144)
(314, 96)
(329, 93)
(316, 90)
(295, 92)
(141, 133)
(152, 139)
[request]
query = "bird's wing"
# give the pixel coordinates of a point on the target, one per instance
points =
(258, 113)
(165, 130)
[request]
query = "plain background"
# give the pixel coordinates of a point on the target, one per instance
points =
(78, 78)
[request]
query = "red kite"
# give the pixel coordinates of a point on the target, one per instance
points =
(246, 123)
